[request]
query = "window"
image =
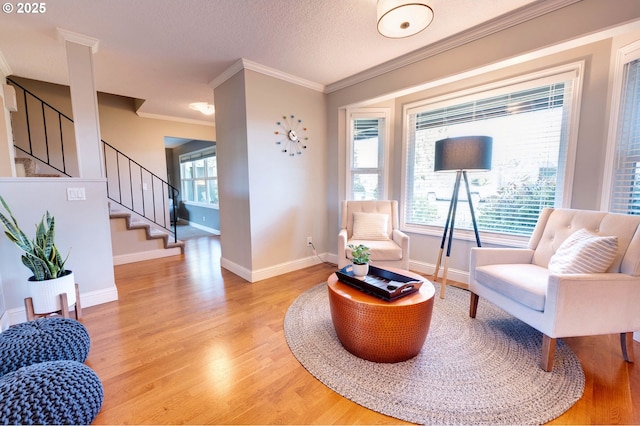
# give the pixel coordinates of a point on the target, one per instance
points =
(625, 188)
(367, 174)
(529, 121)
(199, 177)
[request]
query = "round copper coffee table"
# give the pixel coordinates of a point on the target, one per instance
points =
(377, 330)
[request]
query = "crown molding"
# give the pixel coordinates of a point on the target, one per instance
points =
(227, 74)
(475, 33)
(263, 69)
(177, 119)
(5, 69)
(78, 38)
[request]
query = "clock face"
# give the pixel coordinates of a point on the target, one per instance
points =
(293, 135)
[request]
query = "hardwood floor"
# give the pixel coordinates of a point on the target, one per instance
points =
(190, 343)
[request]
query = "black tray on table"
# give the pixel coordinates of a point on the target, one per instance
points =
(380, 283)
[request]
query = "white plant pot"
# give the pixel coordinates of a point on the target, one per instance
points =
(46, 294)
(360, 270)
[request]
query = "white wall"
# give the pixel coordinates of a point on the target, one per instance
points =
(270, 202)
(288, 193)
(233, 176)
(82, 230)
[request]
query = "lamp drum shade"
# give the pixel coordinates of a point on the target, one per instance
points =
(463, 153)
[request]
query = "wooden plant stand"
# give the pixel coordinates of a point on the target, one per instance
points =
(31, 315)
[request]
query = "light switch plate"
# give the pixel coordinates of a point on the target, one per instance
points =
(76, 194)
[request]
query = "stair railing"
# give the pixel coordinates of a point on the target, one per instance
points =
(137, 189)
(41, 121)
(129, 184)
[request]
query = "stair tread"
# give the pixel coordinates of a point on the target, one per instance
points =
(151, 232)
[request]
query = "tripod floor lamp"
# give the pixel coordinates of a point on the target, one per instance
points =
(459, 155)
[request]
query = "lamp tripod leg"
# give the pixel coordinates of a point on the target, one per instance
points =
(443, 286)
(435, 274)
(473, 215)
(444, 234)
(451, 220)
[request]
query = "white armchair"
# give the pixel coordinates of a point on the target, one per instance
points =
(373, 223)
(561, 304)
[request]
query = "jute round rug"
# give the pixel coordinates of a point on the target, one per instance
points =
(470, 371)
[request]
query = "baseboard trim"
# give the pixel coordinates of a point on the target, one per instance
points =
(124, 259)
(204, 228)
(272, 271)
(4, 321)
(283, 268)
(240, 271)
(92, 298)
(99, 297)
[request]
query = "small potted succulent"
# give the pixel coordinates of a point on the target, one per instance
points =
(360, 259)
(50, 278)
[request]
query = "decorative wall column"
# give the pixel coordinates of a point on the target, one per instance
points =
(7, 163)
(84, 102)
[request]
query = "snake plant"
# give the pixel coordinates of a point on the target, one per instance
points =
(40, 255)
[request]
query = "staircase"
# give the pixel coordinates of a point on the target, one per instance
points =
(134, 239)
(139, 200)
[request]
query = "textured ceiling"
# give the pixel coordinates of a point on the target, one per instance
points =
(166, 52)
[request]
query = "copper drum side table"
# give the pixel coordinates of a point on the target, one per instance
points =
(377, 330)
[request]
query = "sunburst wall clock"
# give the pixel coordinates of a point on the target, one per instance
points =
(293, 135)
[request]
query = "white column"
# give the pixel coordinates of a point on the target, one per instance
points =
(7, 163)
(84, 102)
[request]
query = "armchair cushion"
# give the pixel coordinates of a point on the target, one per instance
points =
(584, 253)
(370, 226)
(380, 250)
(526, 284)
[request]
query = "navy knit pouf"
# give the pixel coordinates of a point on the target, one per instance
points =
(44, 339)
(50, 393)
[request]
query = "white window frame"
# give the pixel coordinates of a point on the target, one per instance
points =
(569, 72)
(626, 54)
(371, 113)
(194, 156)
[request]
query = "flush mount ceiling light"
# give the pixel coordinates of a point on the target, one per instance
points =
(203, 107)
(403, 18)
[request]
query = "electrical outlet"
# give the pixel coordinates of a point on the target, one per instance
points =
(309, 241)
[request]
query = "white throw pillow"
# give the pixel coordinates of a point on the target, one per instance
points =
(584, 253)
(370, 226)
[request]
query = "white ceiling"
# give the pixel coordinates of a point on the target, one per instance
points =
(166, 52)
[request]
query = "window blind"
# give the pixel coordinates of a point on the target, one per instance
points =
(528, 127)
(367, 157)
(625, 197)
